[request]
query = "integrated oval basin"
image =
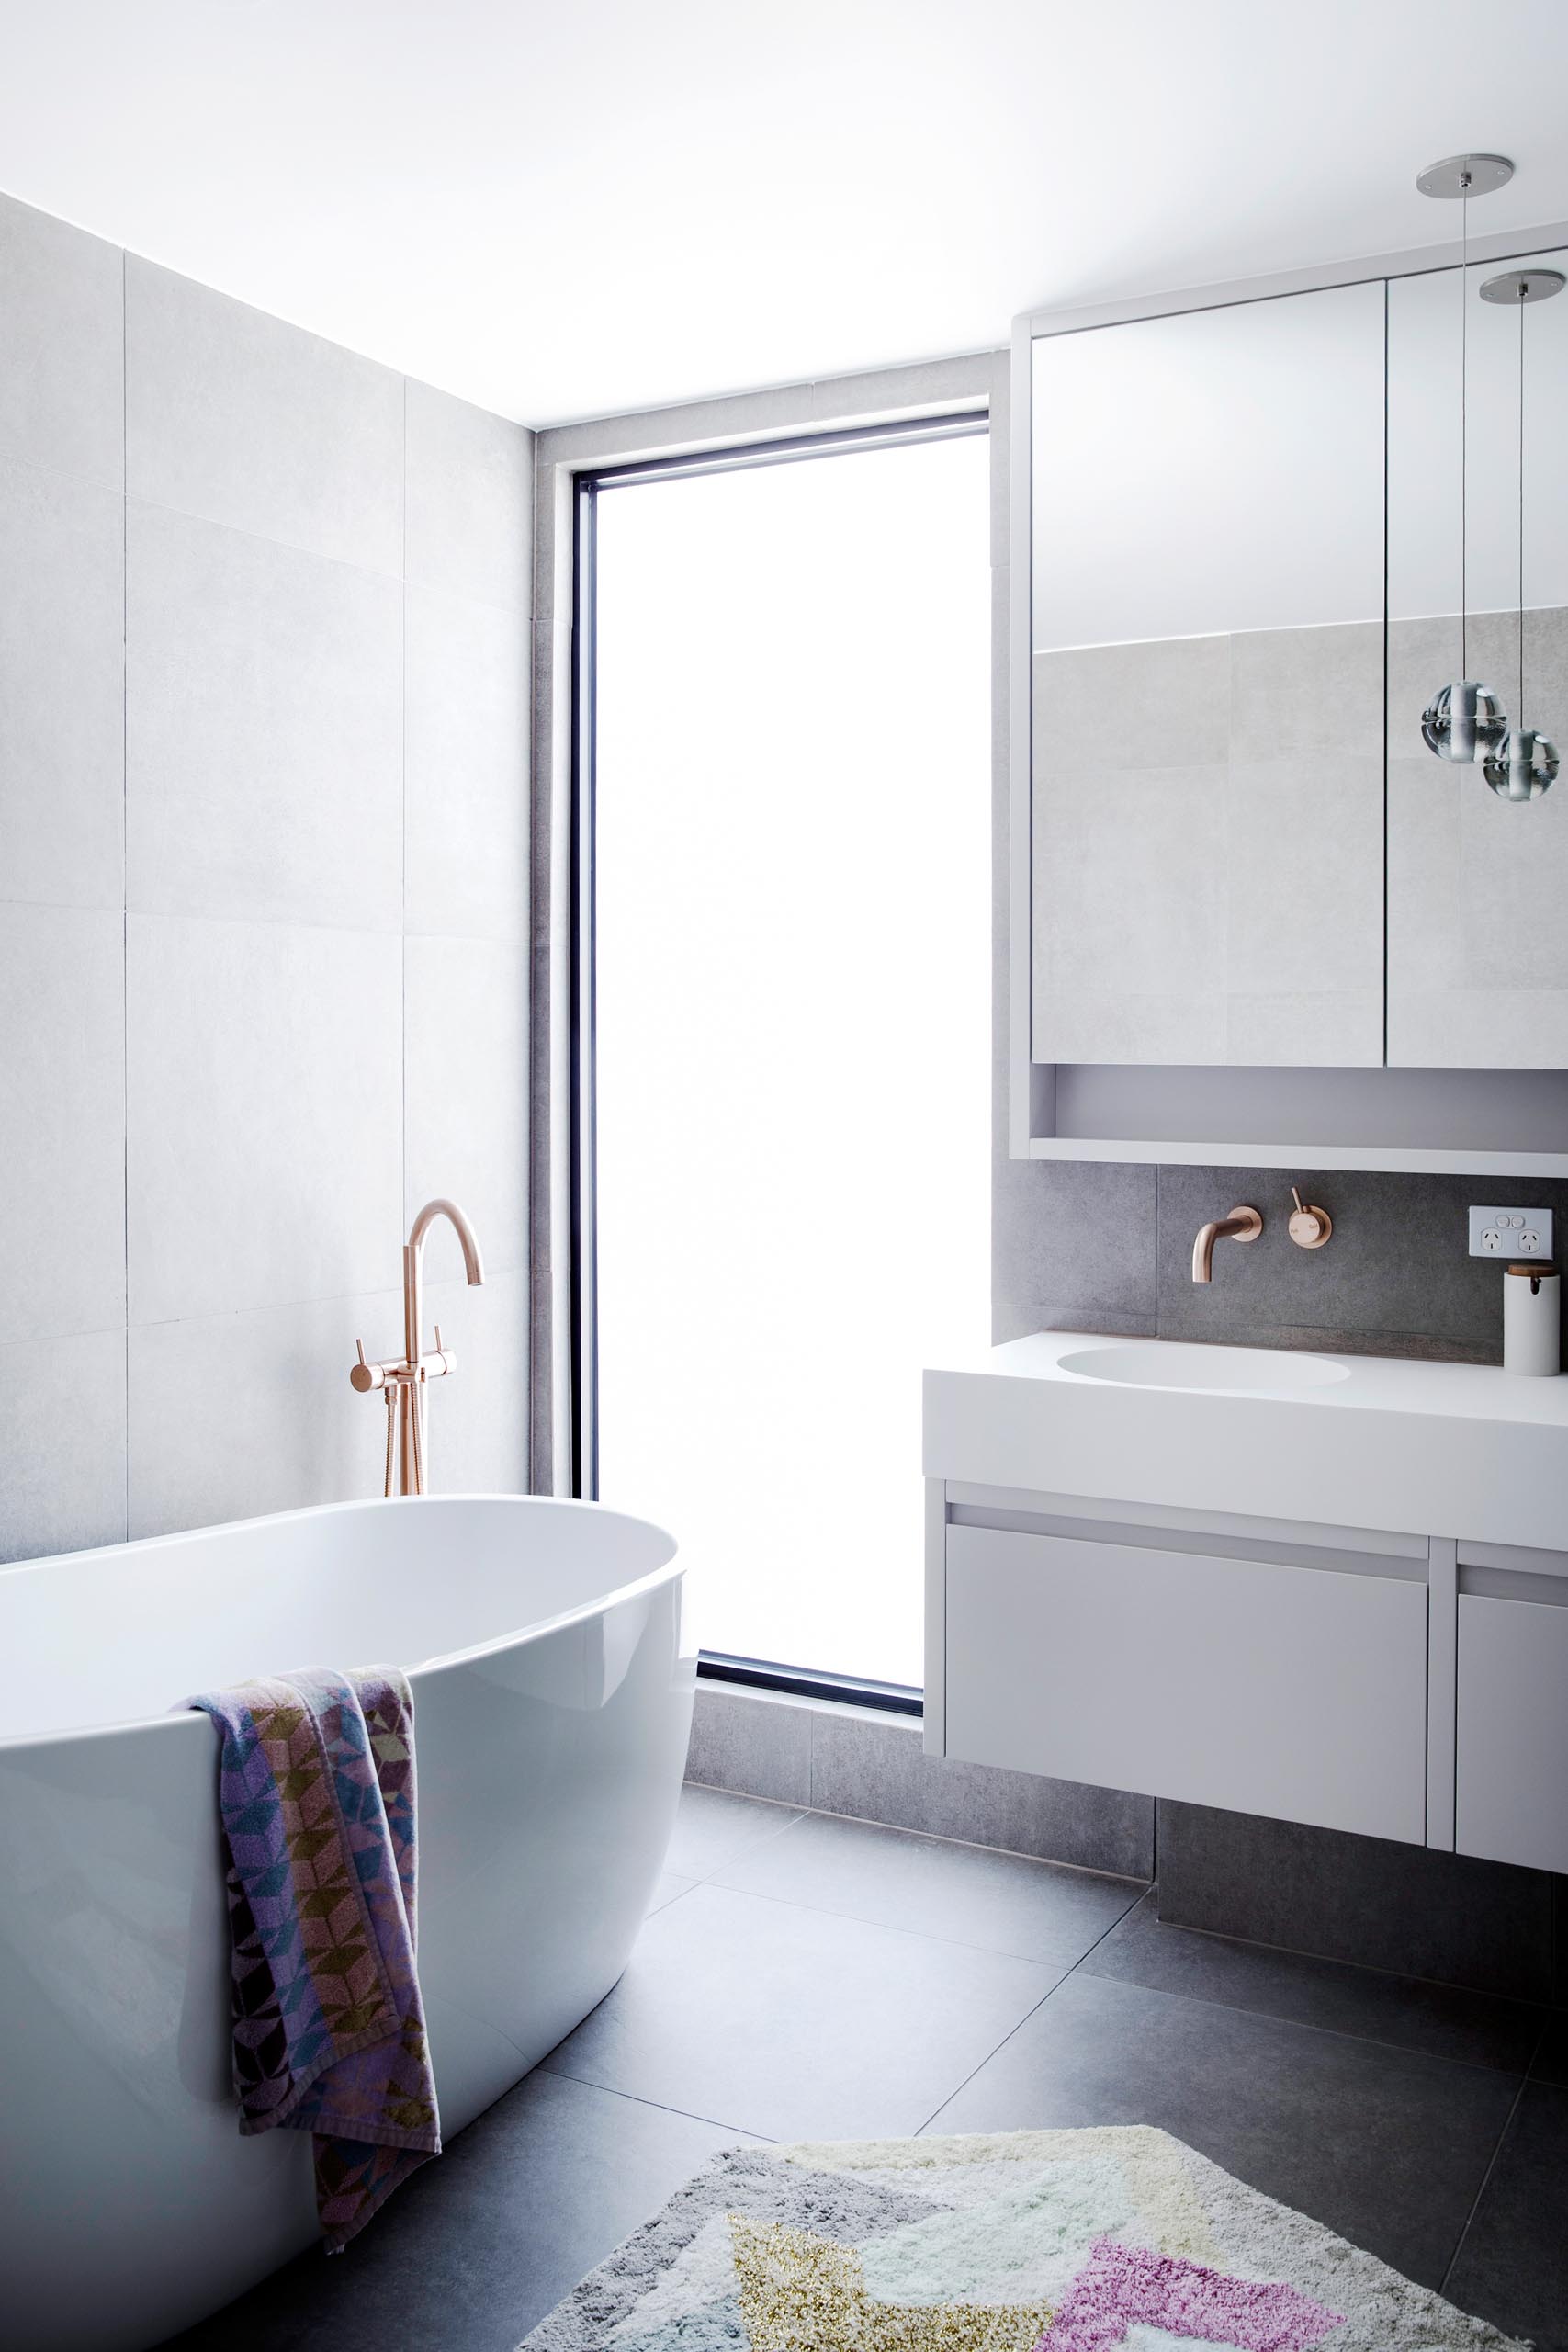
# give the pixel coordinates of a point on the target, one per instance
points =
(1243, 1372)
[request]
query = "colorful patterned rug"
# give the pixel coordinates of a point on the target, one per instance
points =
(1024, 2242)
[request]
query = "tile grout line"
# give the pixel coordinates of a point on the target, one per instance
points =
(890, 1927)
(1018, 2027)
(586, 2082)
(1308, 2025)
(1361, 1967)
(935, 1837)
(1491, 2167)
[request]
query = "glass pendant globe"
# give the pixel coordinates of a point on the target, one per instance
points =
(1523, 766)
(1464, 721)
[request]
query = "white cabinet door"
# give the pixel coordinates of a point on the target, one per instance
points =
(1512, 1747)
(1298, 1693)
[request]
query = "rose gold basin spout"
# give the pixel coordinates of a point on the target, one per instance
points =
(1242, 1225)
(404, 1384)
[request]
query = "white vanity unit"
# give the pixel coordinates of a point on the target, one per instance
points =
(1324, 1589)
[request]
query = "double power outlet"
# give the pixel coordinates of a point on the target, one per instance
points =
(1510, 1233)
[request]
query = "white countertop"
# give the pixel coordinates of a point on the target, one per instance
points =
(1425, 1448)
(1374, 1383)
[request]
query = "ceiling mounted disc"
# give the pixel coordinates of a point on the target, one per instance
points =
(1450, 177)
(1524, 286)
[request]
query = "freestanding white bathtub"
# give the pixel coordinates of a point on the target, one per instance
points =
(553, 1697)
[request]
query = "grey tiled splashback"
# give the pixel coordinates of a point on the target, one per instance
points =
(1109, 1249)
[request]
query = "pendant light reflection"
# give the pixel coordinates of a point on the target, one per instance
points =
(1524, 764)
(1464, 720)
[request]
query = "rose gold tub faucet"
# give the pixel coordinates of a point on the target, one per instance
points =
(404, 1384)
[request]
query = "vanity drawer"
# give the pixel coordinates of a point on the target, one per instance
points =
(1295, 1691)
(1511, 1744)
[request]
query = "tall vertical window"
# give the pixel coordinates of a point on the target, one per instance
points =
(786, 815)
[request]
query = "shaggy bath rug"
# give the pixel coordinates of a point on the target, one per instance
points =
(1068, 2241)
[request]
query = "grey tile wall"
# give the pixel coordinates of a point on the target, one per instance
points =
(264, 645)
(62, 660)
(1445, 1916)
(1228, 910)
(61, 347)
(263, 729)
(1077, 1246)
(238, 418)
(873, 1767)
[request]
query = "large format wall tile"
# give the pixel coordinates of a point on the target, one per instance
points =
(1446, 1916)
(1130, 884)
(1208, 826)
(465, 748)
(477, 1421)
(752, 1742)
(63, 1464)
(234, 416)
(62, 319)
(1306, 693)
(263, 729)
(61, 1116)
(1073, 1247)
(232, 1415)
(1477, 947)
(264, 1149)
(877, 1769)
(471, 501)
(467, 1094)
(1306, 879)
(61, 687)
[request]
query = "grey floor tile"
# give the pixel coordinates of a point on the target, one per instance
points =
(1389, 2147)
(1513, 2265)
(1551, 2058)
(796, 2024)
(712, 1827)
(1000, 1902)
(671, 1885)
(1479, 2027)
(478, 2246)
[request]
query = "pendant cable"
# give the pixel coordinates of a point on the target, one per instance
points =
(1521, 719)
(1464, 427)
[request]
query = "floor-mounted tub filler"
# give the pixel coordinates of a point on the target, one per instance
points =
(553, 1687)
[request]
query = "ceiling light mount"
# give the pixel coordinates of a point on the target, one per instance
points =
(1523, 286)
(1461, 176)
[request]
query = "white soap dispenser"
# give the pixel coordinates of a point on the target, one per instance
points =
(1532, 1340)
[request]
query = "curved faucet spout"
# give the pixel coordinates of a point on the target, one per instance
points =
(473, 1264)
(414, 1449)
(1242, 1225)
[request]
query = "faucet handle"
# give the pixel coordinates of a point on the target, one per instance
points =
(1310, 1227)
(366, 1376)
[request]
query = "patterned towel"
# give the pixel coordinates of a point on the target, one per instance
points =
(317, 1796)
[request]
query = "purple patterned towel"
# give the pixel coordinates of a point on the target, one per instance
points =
(317, 1797)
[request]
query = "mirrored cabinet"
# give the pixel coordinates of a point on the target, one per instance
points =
(1477, 885)
(1252, 913)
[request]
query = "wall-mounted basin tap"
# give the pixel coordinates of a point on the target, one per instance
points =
(1242, 1225)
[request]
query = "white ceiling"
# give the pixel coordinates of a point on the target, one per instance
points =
(569, 209)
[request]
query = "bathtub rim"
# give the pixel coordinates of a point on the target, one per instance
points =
(669, 1568)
